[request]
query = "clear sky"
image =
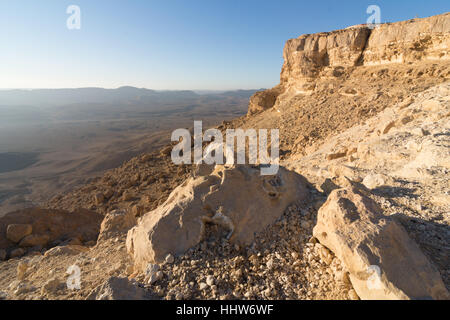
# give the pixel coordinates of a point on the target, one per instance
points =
(170, 44)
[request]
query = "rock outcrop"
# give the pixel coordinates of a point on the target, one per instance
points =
(43, 227)
(409, 41)
(263, 100)
(384, 263)
(305, 56)
(238, 199)
(116, 223)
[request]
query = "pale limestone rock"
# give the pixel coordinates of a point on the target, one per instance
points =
(51, 286)
(431, 106)
(310, 56)
(169, 258)
(415, 40)
(210, 280)
(353, 227)
(115, 223)
(305, 55)
(116, 288)
(420, 132)
(250, 202)
(155, 277)
(22, 268)
(152, 273)
(23, 288)
(373, 181)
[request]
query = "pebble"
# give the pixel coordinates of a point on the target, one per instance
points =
(155, 277)
(269, 264)
(22, 268)
(178, 296)
(170, 259)
(305, 224)
(23, 287)
(210, 280)
(51, 286)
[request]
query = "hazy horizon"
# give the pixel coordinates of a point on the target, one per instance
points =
(142, 88)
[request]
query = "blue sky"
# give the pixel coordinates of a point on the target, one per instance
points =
(170, 44)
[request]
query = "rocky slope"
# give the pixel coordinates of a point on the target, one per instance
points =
(358, 211)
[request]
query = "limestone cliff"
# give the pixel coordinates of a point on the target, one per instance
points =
(319, 56)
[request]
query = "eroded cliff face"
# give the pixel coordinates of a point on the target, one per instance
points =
(409, 41)
(312, 58)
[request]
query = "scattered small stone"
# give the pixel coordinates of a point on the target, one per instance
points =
(158, 276)
(305, 224)
(22, 268)
(388, 127)
(23, 287)
(209, 280)
(99, 198)
(334, 156)
(170, 259)
(178, 296)
(51, 286)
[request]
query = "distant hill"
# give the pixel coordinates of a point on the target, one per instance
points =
(127, 94)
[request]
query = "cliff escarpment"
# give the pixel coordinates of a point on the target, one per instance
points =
(312, 58)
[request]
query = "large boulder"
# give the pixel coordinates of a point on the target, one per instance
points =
(383, 261)
(239, 199)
